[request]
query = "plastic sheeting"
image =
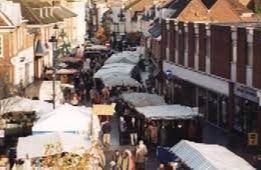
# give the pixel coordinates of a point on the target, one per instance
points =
(205, 156)
(67, 118)
(143, 99)
(37, 145)
(168, 112)
(18, 104)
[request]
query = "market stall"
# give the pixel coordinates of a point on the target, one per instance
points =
(115, 68)
(103, 111)
(114, 80)
(208, 156)
(37, 145)
(168, 112)
(20, 104)
(129, 57)
(97, 48)
(63, 75)
(142, 99)
(68, 118)
(171, 123)
(57, 151)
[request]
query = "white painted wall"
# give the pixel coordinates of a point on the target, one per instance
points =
(78, 8)
(23, 58)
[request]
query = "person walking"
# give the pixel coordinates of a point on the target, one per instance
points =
(122, 128)
(106, 129)
(125, 161)
(140, 156)
(128, 161)
(133, 132)
(117, 160)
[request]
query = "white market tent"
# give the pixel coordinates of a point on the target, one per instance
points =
(68, 118)
(143, 99)
(115, 68)
(200, 156)
(19, 104)
(131, 57)
(119, 80)
(168, 112)
(37, 145)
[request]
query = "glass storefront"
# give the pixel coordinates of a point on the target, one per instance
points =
(214, 107)
(245, 116)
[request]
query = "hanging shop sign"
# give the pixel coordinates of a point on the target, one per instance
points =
(259, 97)
(246, 93)
(103, 109)
(252, 139)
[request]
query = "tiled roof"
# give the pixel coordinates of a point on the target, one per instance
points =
(178, 6)
(29, 12)
(62, 12)
(33, 17)
(238, 7)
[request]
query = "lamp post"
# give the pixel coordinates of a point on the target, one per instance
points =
(54, 41)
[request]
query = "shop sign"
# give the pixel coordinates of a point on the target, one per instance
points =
(259, 97)
(252, 139)
(246, 93)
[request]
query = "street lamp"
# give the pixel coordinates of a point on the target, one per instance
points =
(54, 41)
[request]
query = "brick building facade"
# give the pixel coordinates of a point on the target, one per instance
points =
(215, 67)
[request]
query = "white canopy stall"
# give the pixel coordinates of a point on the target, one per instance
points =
(37, 145)
(19, 104)
(143, 99)
(119, 80)
(67, 118)
(200, 156)
(130, 57)
(168, 112)
(117, 74)
(116, 68)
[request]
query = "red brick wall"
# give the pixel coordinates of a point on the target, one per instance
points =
(181, 44)
(220, 51)
(191, 45)
(164, 40)
(202, 47)
(241, 55)
(257, 59)
(172, 41)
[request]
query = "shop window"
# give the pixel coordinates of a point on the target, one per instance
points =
(246, 116)
(213, 108)
(202, 102)
(223, 113)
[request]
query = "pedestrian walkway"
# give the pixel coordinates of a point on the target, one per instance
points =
(115, 131)
(151, 162)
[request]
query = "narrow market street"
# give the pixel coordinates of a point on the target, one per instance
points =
(151, 162)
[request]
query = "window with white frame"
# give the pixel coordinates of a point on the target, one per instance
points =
(1, 46)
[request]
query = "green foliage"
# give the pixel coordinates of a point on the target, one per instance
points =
(258, 9)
